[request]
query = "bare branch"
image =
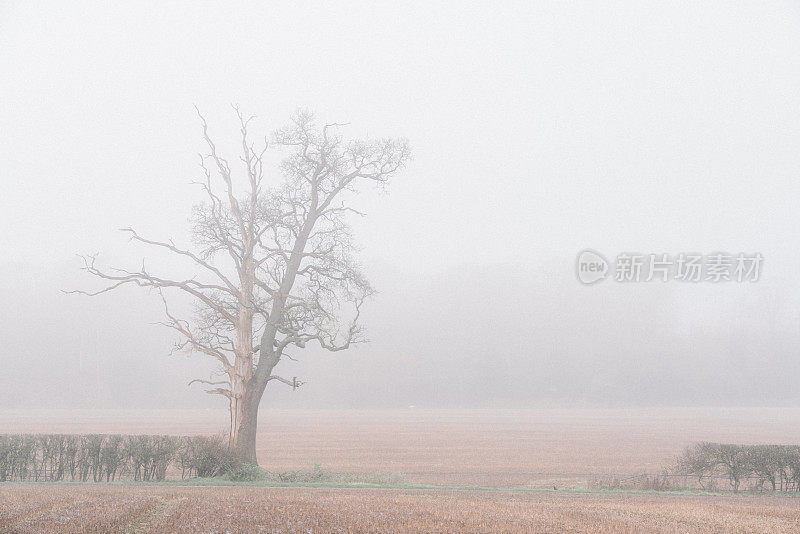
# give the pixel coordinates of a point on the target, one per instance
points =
(294, 382)
(171, 246)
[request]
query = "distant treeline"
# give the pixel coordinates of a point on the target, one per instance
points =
(105, 458)
(775, 467)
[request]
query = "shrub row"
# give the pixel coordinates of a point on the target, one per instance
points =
(642, 482)
(775, 467)
(105, 458)
(317, 475)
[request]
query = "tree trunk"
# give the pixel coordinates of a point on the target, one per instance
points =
(244, 447)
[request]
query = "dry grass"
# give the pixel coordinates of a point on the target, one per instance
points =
(68, 509)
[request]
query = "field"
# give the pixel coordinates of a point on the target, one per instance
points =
(203, 509)
(499, 448)
(548, 455)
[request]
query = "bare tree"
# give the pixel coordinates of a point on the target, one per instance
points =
(278, 270)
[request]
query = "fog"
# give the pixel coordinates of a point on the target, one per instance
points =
(537, 131)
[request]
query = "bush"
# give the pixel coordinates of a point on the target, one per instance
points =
(104, 458)
(207, 456)
(316, 474)
(247, 473)
(774, 467)
(319, 475)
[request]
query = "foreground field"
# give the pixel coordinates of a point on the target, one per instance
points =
(497, 448)
(73, 509)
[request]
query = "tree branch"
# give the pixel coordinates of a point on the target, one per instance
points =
(294, 382)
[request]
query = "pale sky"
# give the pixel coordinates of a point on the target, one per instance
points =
(538, 129)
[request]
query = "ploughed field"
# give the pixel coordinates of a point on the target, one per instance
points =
(71, 508)
(496, 448)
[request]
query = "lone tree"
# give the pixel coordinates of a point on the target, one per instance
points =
(277, 262)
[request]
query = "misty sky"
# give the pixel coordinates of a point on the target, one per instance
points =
(537, 131)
